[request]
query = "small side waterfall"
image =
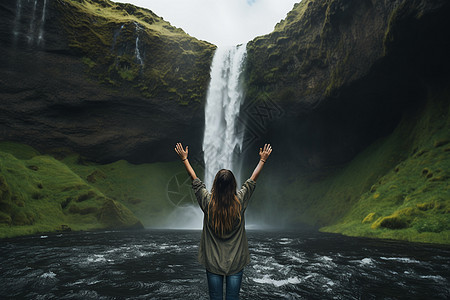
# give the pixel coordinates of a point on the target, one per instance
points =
(41, 26)
(221, 142)
(34, 35)
(30, 35)
(138, 52)
(16, 25)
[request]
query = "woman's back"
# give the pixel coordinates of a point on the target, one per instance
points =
(227, 253)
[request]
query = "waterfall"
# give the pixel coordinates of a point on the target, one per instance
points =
(17, 21)
(221, 142)
(35, 27)
(41, 26)
(30, 35)
(138, 53)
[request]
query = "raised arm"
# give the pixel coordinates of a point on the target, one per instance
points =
(263, 156)
(183, 154)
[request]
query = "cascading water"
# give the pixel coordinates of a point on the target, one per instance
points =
(41, 26)
(138, 53)
(30, 34)
(35, 32)
(17, 21)
(222, 142)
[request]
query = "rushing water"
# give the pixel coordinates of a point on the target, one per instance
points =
(162, 264)
(222, 140)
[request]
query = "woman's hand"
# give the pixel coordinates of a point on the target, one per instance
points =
(265, 152)
(183, 154)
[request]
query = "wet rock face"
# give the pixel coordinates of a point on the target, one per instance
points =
(343, 72)
(109, 89)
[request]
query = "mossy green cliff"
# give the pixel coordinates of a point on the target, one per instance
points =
(40, 194)
(124, 45)
(362, 88)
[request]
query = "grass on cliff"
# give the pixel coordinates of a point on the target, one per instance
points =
(33, 190)
(398, 188)
(172, 65)
(145, 189)
(39, 193)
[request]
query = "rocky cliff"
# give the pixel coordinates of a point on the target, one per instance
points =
(360, 92)
(107, 80)
(342, 72)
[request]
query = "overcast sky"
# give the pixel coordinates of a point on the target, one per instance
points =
(221, 22)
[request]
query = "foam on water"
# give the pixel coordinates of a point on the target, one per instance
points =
(366, 261)
(401, 259)
(268, 280)
(49, 274)
(97, 258)
(285, 241)
(296, 257)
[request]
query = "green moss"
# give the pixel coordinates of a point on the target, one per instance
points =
(105, 34)
(390, 190)
(369, 218)
(19, 151)
(88, 62)
(42, 194)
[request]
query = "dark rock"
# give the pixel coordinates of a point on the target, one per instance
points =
(64, 228)
(134, 201)
(81, 88)
(66, 202)
(95, 175)
(340, 74)
(86, 196)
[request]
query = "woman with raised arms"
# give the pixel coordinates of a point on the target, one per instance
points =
(223, 247)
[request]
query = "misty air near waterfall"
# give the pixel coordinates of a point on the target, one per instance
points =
(332, 116)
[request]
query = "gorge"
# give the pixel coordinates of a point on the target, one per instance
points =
(353, 95)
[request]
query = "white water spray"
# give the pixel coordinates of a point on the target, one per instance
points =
(221, 141)
(185, 217)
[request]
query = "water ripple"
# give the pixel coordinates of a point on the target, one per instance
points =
(160, 264)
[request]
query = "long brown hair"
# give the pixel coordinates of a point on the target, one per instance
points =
(224, 209)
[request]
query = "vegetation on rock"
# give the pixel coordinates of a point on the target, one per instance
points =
(363, 87)
(128, 46)
(42, 194)
(39, 193)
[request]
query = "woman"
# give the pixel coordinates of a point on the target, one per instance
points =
(223, 247)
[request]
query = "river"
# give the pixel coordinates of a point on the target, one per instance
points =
(162, 264)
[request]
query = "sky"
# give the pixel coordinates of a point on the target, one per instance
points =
(221, 22)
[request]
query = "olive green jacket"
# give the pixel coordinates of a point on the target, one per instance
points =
(228, 254)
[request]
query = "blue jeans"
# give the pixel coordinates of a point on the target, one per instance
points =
(215, 285)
